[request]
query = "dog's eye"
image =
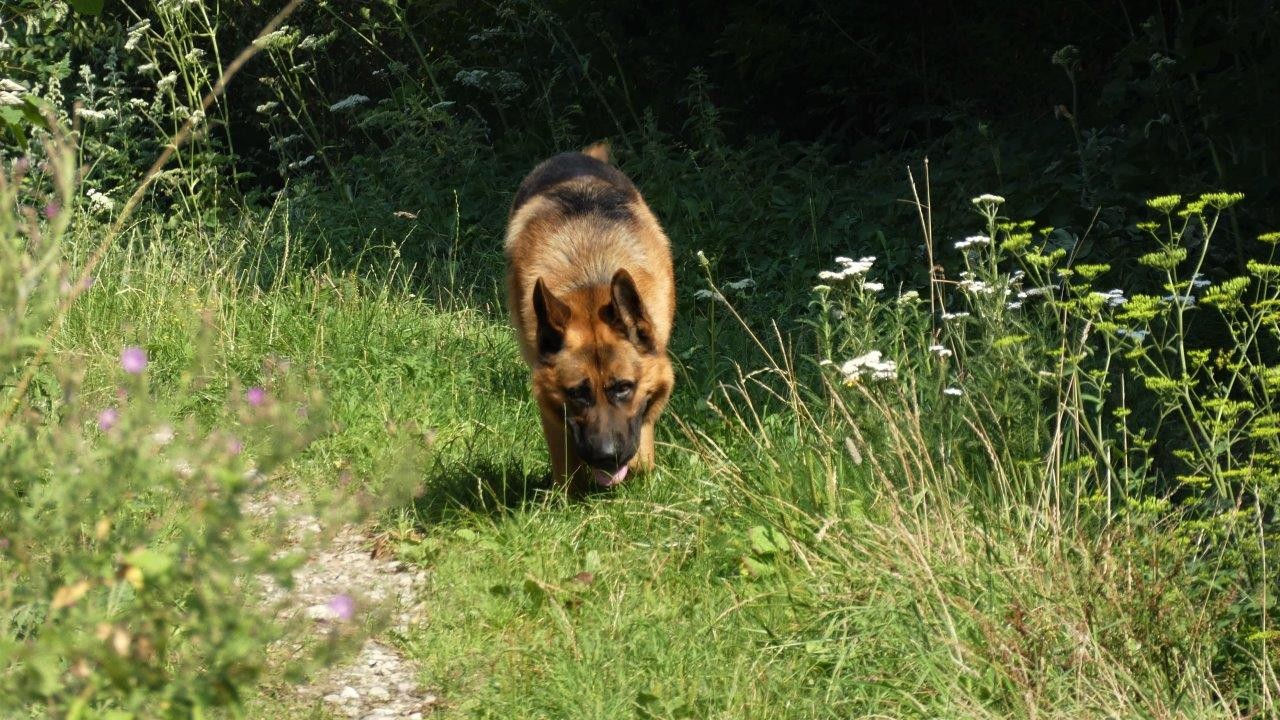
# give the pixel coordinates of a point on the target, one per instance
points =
(579, 394)
(622, 389)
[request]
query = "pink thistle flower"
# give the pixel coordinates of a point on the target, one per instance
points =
(51, 210)
(133, 359)
(108, 418)
(255, 396)
(234, 446)
(343, 607)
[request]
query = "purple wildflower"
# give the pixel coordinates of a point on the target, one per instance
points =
(255, 396)
(234, 446)
(133, 359)
(108, 418)
(51, 210)
(343, 607)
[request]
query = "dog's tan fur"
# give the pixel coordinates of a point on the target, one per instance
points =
(591, 293)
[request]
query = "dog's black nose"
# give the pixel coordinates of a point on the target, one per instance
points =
(606, 455)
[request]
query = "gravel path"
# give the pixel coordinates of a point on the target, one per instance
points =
(343, 577)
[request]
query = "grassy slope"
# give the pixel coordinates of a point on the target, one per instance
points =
(912, 606)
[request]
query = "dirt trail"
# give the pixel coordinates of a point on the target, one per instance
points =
(341, 577)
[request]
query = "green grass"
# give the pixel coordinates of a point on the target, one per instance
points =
(762, 572)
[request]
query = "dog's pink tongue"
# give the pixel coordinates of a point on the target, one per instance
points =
(605, 479)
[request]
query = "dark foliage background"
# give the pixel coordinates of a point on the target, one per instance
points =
(772, 135)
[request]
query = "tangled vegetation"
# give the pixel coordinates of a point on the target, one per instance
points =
(934, 451)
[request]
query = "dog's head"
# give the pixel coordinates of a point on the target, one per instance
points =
(600, 370)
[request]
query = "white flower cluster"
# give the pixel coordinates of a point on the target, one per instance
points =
(136, 33)
(1198, 282)
(987, 199)
(266, 107)
(349, 102)
(100, 202)
(10, 92)
(302, 163)
(277, 143)
(941, 351)
(93, 115)
(275, 40)
(973, 241)
(849, 268)
(1113, 297)
(970, 284)
(872, 364)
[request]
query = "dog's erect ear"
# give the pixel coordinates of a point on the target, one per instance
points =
(553, 316)
(626, 313)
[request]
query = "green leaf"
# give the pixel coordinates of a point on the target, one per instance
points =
(150, 562)
(766, 540)
(88, 7)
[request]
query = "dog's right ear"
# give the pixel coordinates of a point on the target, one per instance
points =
(553, 317)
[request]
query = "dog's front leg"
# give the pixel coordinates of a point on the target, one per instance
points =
(643, 461)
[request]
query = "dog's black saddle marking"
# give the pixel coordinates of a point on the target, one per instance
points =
(610, 198)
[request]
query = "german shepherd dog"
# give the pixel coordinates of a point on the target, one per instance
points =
(591, 293)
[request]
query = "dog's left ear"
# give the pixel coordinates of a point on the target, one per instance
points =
(626, 313)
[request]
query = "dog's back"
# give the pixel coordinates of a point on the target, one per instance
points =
(574, 222)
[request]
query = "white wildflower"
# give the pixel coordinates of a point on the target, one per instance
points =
(267, 107)
(197, 118)
(987, 199)
(850, 268)
(976, 287)
(909, 296)
(941, 351)
(1198, 281)
(146, 67)
(136, 33)
(1132, 334)
(93, 115)
(277, 39)
(742, 284)
(194, 55)
(302, 163)
(11, 92)
(277, 143)
(163, 435)
(1014, 305)
(99, 201)
(349, 102)
(953, 391)
(873, 364)
(954, 316)
(705, 294)
(1113, 298)
(1183, 300)
(138, 102)
(168, 81)
(822, 288)
(973, 241)
(702, 259)
(472, 78)
(873, 286)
